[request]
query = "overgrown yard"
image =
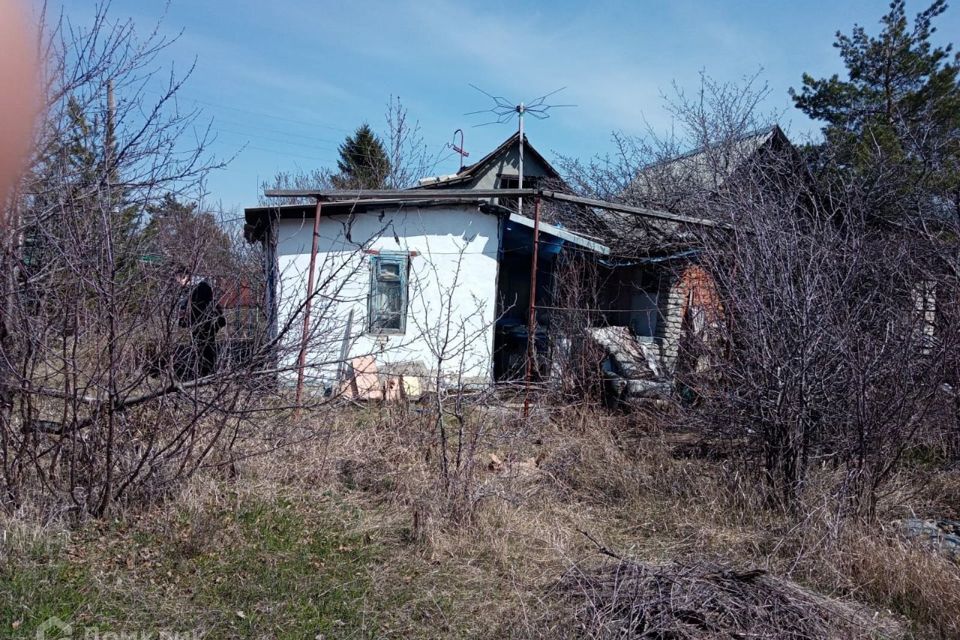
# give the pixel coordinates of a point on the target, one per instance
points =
(354, 536)
(771, 325)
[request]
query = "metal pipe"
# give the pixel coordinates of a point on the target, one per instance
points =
(460, 150)
(532, 316)
(302, 360)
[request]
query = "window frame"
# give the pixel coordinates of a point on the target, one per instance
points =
(402, 260)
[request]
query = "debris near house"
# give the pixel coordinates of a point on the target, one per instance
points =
(363, 379)
(496, 464)
(942, 536)
(631, 369)
(413, 377)
(632, 599)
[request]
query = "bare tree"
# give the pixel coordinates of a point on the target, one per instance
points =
(103, 399)
(827, 345)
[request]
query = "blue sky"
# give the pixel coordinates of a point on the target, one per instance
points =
(284, 81)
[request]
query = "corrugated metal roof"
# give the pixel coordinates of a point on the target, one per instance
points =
(562, 234)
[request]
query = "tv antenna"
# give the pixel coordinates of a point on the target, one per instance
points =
(503, 111)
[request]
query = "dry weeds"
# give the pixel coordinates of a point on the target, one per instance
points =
(488, 565)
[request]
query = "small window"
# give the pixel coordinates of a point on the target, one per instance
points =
(388, 293)
(513, 182)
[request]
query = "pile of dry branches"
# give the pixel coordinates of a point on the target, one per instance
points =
(631, 599)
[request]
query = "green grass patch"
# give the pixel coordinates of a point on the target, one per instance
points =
(266, 568)
(37, 586)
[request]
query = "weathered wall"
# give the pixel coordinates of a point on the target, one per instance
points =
(694, 295)
(452, 288)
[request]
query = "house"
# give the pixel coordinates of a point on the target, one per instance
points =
(414, 279)
(450, 277)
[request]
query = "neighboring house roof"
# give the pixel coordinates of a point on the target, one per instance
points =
(474, 171)
(679, 184)
(707, 169)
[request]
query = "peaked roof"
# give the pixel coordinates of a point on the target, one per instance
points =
(705, 169)
(476, 169)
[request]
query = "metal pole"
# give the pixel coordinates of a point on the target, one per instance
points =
(520, 110)
(532, 317)
(302, 360)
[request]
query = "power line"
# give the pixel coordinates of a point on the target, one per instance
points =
(283, 132)
(261, 114)
(286, 153)
(274, 140)
(179, 97)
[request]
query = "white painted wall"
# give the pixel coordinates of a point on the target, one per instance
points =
(452, 289)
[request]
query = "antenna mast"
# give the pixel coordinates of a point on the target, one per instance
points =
(504, 110)
(520, 110)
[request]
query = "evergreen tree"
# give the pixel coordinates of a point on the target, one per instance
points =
(68, 178)
(363, 161)
(894, 122)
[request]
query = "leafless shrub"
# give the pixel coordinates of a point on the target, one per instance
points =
(458, 340)
(575, 360)
(827, 355)
(827, 338)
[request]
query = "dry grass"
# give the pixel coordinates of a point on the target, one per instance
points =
(919, 584)
(481, 556)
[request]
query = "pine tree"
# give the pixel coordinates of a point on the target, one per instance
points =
(894, 122)
(363, 162)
